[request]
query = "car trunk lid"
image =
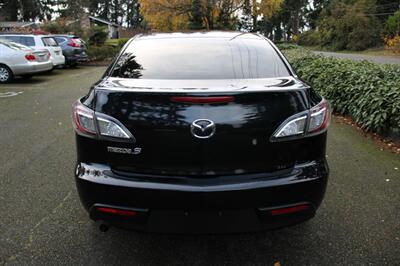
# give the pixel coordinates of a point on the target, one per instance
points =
(161, 117)
(41, 55)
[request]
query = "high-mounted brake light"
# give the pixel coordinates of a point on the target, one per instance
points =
(203, 100)
(92, 124)
(306, 123)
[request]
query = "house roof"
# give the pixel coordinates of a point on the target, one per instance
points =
(104, 21)
(15, 24)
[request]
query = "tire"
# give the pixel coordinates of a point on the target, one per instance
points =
(6, 74)
(51, 70)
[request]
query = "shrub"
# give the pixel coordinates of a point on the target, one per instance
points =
(310, 38)
(368, 92)
(393, 44)
(55, 27)
(98, 35)
(99, 53)
(393, 24)
(117, 42)
(287, 46)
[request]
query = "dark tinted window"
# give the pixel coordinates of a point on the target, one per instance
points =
(28, 41)
(48, 41)
(200, 58)
(60, 39)
(11, 38)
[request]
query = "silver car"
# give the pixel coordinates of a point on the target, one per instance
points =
(39, 42)
(19, 60)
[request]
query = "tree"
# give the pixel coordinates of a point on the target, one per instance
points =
(349, 25)
(313, 12)
(386, 8)
(393, 24)
(167, 15)
(27, 10)
(196, 15)
(73, 8)
(9, 10)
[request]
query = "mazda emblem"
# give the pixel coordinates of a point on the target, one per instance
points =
(203, 128)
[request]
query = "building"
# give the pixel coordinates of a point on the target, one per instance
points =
(87, 21)
(113, 28)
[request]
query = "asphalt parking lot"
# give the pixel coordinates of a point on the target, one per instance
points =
(43, 223)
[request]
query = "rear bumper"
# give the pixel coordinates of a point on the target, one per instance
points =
(58, 60)
(76, 58)
(238, 205)
(32, 68)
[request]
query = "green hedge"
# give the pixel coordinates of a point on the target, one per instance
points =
(99, 53)
(287, 46)
(368, 92)
(117, 42)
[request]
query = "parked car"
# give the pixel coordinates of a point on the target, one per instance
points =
(201, 132)
(73, 49)
(19, 60)
(39, 42)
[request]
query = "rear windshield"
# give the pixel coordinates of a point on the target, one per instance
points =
(49, 41)
(200, 58)
(13, 45)
(24, 40)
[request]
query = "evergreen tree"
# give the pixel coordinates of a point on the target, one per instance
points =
(196, 15)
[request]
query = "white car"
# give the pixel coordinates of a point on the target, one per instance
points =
(19, 60)
(39, 42)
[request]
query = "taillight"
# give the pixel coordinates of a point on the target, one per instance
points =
(73, 43)
(111, 129)
(93, 124)
(30, 57)
(83, 119)
(307, 123)
(319, 117)
(292, 127)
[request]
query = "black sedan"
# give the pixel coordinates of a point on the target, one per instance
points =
(201, 132)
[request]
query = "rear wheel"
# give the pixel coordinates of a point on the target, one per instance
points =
(6, 74)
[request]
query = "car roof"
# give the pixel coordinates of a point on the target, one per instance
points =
(26, 35)
(63, 35)
(18, 34)
(200, 35)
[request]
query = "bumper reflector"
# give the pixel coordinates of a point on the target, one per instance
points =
(116, 211)
(288, 210)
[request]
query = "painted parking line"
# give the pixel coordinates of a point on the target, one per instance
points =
(9, 94)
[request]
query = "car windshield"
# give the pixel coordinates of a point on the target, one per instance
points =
(200, 58)
(49, 41)
(14, 45)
